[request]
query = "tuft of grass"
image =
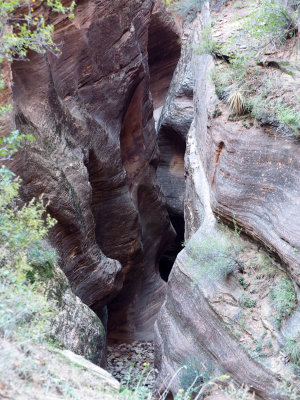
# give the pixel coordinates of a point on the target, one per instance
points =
(263, 264)
(292, 350)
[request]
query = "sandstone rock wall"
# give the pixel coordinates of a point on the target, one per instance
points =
(246, 176)
(95, 156)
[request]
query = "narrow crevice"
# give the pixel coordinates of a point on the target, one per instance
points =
(167, 260)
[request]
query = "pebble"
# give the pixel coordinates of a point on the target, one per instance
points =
(132, 363)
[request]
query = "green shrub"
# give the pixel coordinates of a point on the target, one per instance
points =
(207, 45)
(283, 298)
(192, 377)
(24, 259)
(246, 301)
(243, 283)
(185, 8)
(292, 349)
(213, 256)
(42, 259)
(288, 116)
(21, 227)
(25, 312)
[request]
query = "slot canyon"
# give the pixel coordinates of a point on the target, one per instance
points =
(177, 224)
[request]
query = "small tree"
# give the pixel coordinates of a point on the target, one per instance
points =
(23, 28)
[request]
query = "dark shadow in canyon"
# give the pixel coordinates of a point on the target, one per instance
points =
(168, 258)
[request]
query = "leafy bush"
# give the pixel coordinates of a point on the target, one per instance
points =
(246, 301)
(192, 377)
(22, 258)
(25, 312)
(42, 259)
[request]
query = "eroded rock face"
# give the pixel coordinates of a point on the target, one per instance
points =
(95, 157)
(262, 190)
(75, 327)
(206, 300)
(164, 53)
(173, 125)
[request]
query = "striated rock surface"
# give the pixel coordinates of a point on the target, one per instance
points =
(253, 172)
(221, 298)
(173, 125)
(95, 156)
(164, 52)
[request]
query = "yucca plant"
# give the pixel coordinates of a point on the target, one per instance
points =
(237, 102)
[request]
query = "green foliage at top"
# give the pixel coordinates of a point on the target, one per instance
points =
(268, 23)
(248, 89)
(185, 8)
(23, 27)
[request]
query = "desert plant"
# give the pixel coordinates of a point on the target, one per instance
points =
(22, 299)
(42, 257)
(243, 283)
(288, 389)
(192, 378)
(236, 102)
(25, 311)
